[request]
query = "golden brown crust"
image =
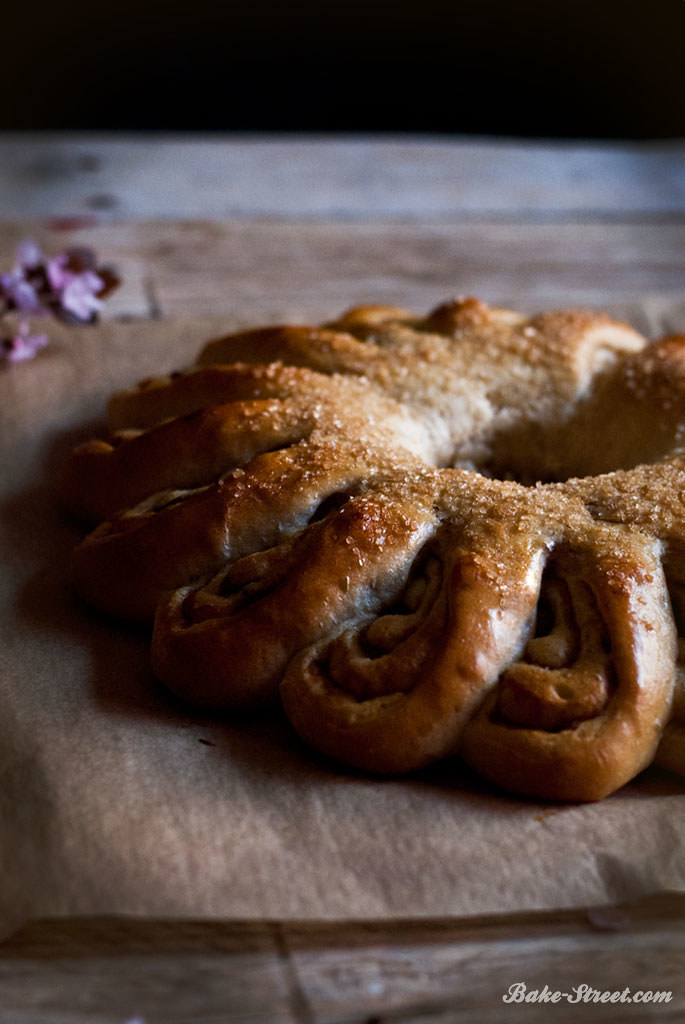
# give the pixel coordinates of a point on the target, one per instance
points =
(553, 715)
(209, 644)
(103, 477)
(292, 524)
(396, 693)
(637, 408)
(448, 398)
(583, 726)
(161, 398)
(175, 537)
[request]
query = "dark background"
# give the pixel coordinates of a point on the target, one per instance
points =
(554, 69)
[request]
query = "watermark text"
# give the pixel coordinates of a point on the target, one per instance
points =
(520, 993)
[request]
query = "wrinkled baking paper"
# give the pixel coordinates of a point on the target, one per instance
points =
(118, 799)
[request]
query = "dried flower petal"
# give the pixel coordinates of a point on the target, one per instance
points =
(79, 297)
(57, 273)
(69, 285)
(22, 345)
(19, 293)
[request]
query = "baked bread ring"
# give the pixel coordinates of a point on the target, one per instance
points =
(314, 517)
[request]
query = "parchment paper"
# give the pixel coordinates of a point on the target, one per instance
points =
(116, 798)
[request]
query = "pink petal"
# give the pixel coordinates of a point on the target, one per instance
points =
(26, 298)
(57, 274)
(78, 297)
(67, 286)
(19, 293)
(8, 281)
(92, 281)
(22, 345)
(29, 255)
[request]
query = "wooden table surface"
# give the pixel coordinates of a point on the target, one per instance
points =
(265, 229)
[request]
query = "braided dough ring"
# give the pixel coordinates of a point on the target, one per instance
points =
(295, 530)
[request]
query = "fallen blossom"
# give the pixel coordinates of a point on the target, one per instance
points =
(80, 296)
(69, 286)
(19, 293)
(22, 344)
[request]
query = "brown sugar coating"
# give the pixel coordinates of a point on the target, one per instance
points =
(312, 515)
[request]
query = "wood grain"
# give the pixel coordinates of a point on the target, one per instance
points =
(273, 270)
(103, 971)
(233, 177)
